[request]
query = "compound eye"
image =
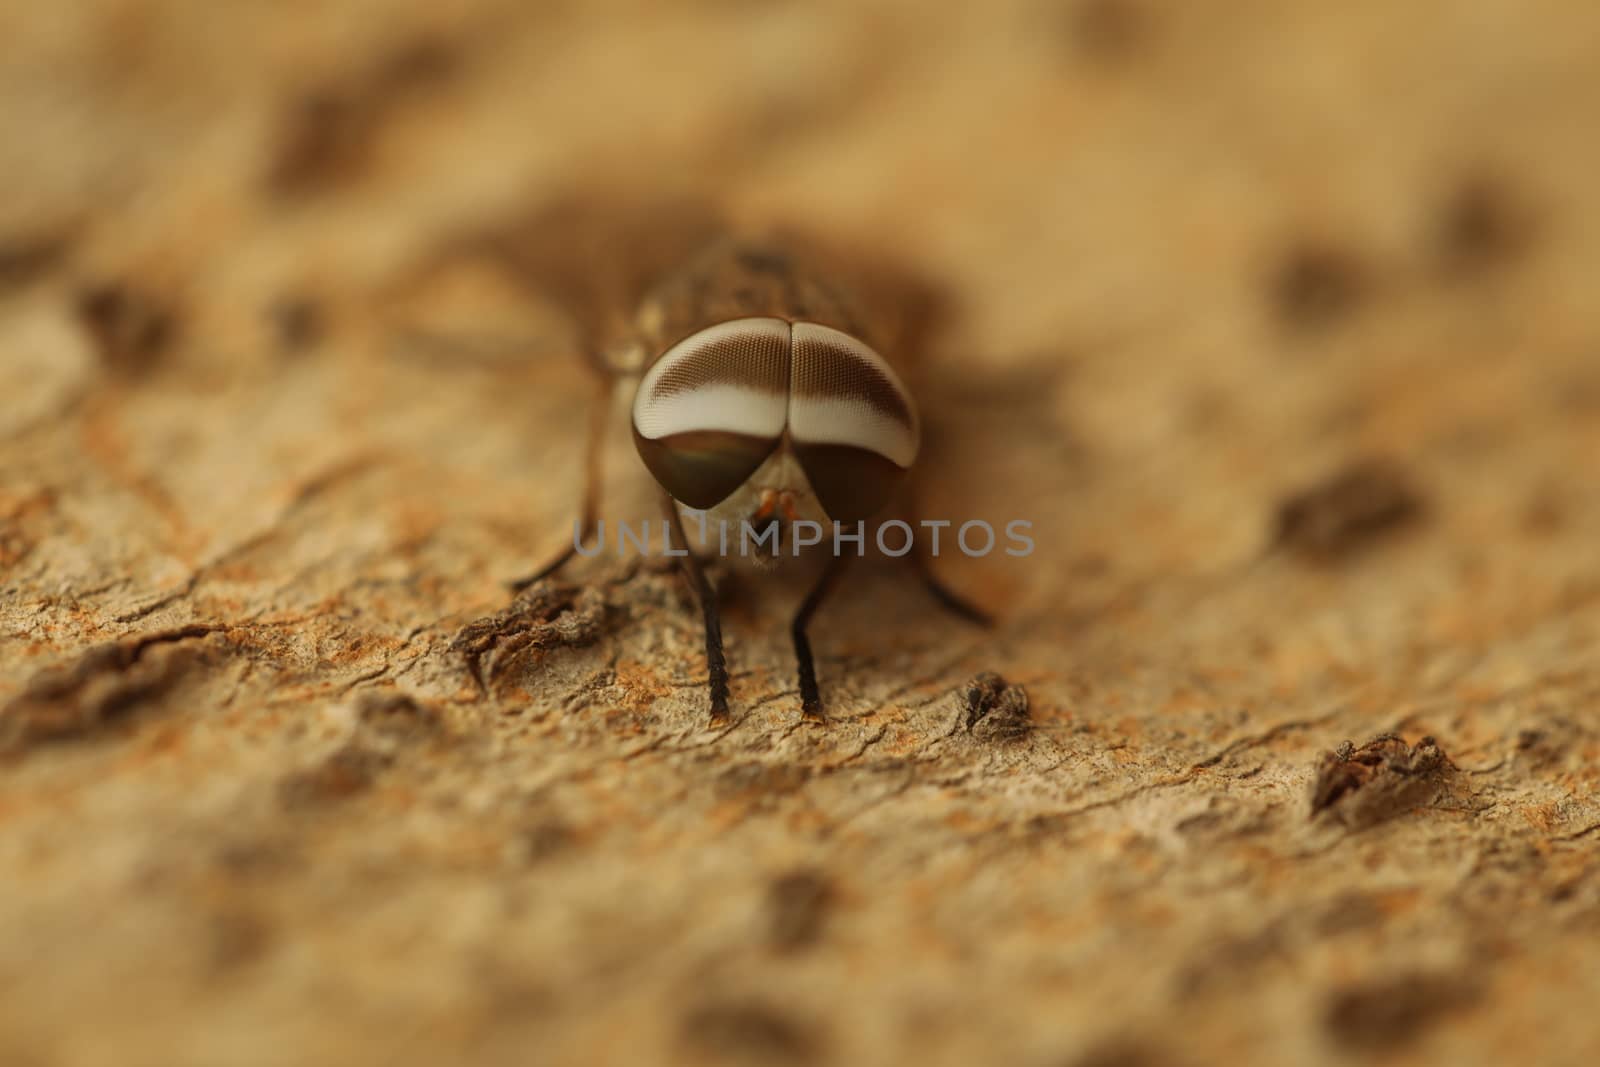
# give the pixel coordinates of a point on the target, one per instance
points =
(711, 410)
(852, 422)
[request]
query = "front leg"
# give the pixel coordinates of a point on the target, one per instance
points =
(921, 560)
(948, 598)
(593, 474)
(810, 695)
(716, 662)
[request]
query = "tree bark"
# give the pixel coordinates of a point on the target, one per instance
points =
(1279, 329)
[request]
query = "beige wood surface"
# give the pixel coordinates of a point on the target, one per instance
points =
(1279, 321)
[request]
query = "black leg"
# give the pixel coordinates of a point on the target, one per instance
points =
(716, 663)
(810, 695)
(922, 560)
(948, 598)
(593, 468)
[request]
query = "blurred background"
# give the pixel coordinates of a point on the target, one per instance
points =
(1277, 319)
(1304, 214)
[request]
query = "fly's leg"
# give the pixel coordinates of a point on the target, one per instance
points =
(716, 662)
(948, 598)
(593, 469)
(810, 695)
(921, 560)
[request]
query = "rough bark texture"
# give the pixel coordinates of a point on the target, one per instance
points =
(1279, 321)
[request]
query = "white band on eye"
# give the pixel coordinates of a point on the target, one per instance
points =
(730, 378)
(723, 408)
(843, 393)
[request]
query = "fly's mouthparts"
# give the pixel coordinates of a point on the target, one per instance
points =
(773, 527)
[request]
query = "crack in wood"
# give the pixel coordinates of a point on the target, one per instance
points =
(101, 686)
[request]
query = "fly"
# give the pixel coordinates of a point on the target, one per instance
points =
(768, 388)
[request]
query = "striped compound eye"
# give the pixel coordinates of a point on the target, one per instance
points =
(714, 406)
(852, 422)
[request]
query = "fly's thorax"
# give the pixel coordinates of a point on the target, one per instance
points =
(752, 277)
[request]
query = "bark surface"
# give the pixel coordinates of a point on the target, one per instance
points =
(1280, 326)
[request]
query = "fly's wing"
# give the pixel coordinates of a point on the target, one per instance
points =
(598, 255)
(593, 253)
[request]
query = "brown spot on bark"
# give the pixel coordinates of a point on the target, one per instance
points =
(131, 328)
(238, 938)
(397, 716)
(761, 780)
(748, 1030)
(1228, 960)
(549, 836)
(995, 709)
(327, 131)
(24, 521)
(1380, 779)
(101, 687)
(798, 904)
(388, 723)
(350, 770)
(1393, 1011)
(23, 257)
(420, 63)
(1558, 741)
(543, 616)
(1350, 911)
(256, 859)
(1120, 1052)
(1108, 31)
(1315, 286)
(1481, 226)
(324, 138)
(1348, 511)
(299, 323)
